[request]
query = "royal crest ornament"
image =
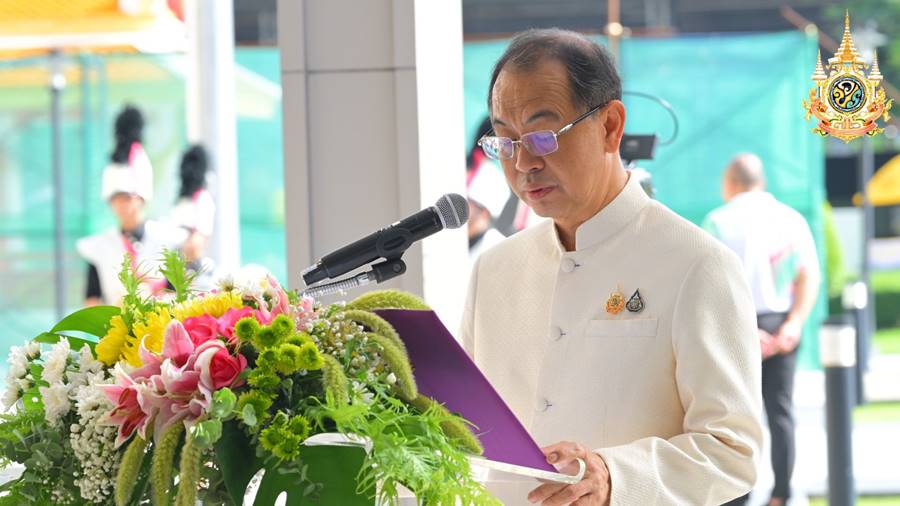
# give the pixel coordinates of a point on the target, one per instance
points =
(846, 99)
(635, 303)
(615, 303)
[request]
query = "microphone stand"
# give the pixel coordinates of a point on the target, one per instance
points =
(382, 271)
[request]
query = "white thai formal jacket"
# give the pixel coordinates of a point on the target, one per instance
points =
(667, 393)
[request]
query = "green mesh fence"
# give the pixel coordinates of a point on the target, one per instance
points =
(97, 88)
(731, 94)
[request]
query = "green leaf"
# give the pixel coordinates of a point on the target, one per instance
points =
(206, 433)
(223, 402)
(91, 320)
(76, 343)
(175, 271)
(249, 416)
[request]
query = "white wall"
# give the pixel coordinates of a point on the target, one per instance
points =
(373, 131)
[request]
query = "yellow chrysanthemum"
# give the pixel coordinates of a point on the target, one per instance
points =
(214, 305)
(152, 329)
(113, 344)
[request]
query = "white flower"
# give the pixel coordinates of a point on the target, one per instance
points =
(32, 349)
(11, 396)
(56, 401)
(18, 362)
(55, 365)
(86, 360)
(226, 283)
(391, 378)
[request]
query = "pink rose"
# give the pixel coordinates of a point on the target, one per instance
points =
(201, 328)
(218, 367)
(230, 319)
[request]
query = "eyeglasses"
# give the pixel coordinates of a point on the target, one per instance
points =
(540, 143)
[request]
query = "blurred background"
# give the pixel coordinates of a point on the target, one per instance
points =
(707, 78)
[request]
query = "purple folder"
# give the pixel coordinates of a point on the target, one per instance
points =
(445, 372)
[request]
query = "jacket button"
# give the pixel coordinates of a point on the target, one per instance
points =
(556, 333)
(567, 265)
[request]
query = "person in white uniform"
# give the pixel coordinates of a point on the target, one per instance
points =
(127, 187)
(779, 257)
(616, 331)
(487, 193)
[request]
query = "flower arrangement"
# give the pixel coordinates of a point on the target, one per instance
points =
(195, 396)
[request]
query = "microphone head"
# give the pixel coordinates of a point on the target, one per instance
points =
(453, 209)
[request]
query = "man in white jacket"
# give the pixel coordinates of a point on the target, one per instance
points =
(617, 332)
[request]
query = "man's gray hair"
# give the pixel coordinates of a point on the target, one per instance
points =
(746, 171)
(593, 78)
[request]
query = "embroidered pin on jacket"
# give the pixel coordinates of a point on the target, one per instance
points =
(615, 303)
(635, 303)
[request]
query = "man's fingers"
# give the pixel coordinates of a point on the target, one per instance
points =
(561, 454)
(544, 491)
(569, 494)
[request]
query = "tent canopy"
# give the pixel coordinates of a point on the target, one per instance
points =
(884, 187)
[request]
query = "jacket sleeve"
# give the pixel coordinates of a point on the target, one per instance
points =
(716, 349)
(467, 326)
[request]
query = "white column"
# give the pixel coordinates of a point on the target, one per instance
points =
(373, 132)
(211, 116)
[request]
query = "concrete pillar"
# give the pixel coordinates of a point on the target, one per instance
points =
(212, 120)
(373, 132)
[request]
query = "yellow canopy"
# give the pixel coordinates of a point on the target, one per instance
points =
(29, 27)
(884, 187)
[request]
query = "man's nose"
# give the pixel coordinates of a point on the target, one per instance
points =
(526, 162)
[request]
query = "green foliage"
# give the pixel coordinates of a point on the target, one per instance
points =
(376, 325)
(334, 380)
(162, 464)
(90, 320)
(188, 473)
(387, 299)
(454, 427)
(129, 469)
(398, 363)
(175, 271)
(408, 448)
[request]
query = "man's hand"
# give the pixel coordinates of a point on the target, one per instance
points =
(593, 490)
(788, 336)
(767, 344)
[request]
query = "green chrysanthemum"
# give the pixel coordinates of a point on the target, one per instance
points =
(282, 326)
(260, 402)
(288, 358)
(246, 329)
(263, 379)
(298, 339)
(310, 357)
(267, 359)
(266, 337)
(299, 427)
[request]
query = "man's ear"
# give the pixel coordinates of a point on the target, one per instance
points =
(613, 125)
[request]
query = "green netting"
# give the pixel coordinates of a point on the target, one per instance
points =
(98, 87)
(732, 93)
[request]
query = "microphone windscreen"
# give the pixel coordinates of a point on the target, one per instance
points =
(453, 210)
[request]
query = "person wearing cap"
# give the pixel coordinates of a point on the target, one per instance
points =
(617, 332)
(779, 257)
(195, 212)
(127, 186)
(487, 194)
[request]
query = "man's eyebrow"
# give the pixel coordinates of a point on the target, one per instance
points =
(498, 121)
(542, 114)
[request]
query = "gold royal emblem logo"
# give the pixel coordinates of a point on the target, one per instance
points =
(847, 101)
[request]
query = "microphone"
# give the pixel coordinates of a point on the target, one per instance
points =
(450, 211)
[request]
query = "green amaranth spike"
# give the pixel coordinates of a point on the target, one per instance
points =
(387, 299)
(398, 363)
(375, 324)
(128, 470)
(334, 380)
(188, 473)
(453, 427)
(162, 463)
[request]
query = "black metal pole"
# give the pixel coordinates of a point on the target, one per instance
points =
(866, 314)
(838, 352)
(57, 83)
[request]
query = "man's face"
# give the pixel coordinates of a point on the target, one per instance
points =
(127, 207)
(565, 184)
